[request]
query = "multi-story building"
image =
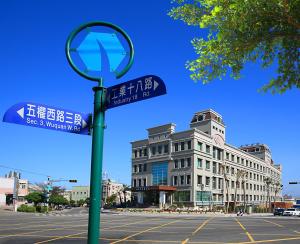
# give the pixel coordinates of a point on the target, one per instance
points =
(80, 193)
(197, 167)
(13, 187)
(110, 187)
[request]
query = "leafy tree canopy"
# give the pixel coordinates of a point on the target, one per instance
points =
(57, 200)
(35, 197)
(242, 31)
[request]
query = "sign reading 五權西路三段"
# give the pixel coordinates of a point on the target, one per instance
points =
(48, 117)
(134, 90)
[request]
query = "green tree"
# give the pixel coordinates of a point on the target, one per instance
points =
(80, 202)
(57, 200)
(35, 197)
(111, 199)
(240, 31)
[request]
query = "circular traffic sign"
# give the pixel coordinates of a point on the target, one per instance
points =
(99, 47)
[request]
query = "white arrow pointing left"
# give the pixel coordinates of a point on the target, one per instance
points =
(21, 112)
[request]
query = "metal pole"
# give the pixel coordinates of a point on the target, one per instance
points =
(96, 164)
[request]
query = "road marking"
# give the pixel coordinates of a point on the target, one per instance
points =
(185, 241)
(141, 232)
(71, 236)
(247, 233)
(271, 222)
(266, 241)
(201, 226)
(61, 237)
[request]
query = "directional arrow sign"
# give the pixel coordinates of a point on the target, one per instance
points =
(135, 90)
(48, 117)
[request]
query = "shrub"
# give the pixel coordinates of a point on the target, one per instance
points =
(41, 209)
(26, 208)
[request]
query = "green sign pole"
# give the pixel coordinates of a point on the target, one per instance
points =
(96, 164)
(90, 47)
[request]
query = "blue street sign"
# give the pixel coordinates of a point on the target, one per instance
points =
(48, 117)
(134, 90)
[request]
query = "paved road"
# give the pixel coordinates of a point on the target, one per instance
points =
(129, 228)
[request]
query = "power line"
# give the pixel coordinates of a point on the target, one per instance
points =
(22, 170)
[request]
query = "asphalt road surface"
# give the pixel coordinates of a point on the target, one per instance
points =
(71, 227)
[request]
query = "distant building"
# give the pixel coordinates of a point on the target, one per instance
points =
(67, 194)
(110, 187)
(80, 193)
(197, 167)
(13, 187)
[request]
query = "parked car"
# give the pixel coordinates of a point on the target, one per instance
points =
(291, 212)
(278, 211)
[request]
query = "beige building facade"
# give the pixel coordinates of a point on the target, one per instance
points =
(197, 167)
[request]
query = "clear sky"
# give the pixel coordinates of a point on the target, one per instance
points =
(34, 68)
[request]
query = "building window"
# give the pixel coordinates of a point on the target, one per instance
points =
(232, 171)
(176, 164)
(182, 163)
(203, 196)
(220, 183)
(207, 165)
(199, 163)
(232, 184)
(176, 147)
(182, 146)
(188, 162)
(134, 183)
(199, 146)
(207, 149)
(141, 152)
(214, 169)
(145, 181)
(166, 148)
(199, 179)
(188, 179)
(135, 153)
(159, 149)
(232, 158)
(153, 150)
(189, 145)
(207, 181)
(182, 196)
(134, 169)
(175, 180)
(181, 179)
(145, 167)
(227, 156)
(214, 183)
(145, 152)
(159, 173)
(140, 168)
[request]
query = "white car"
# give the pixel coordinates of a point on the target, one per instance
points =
(291, 212)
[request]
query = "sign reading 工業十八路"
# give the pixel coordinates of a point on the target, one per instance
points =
(48, 117)
(134, 90)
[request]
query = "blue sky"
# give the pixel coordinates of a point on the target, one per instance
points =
(34, 68)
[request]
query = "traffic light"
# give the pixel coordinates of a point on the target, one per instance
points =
(73, 181)
(293, 183)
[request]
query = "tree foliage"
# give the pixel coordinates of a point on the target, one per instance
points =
(56, 200)
(244, 30)
(35, 197)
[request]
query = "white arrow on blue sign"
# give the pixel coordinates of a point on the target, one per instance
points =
(135, 90)
(48, 117)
